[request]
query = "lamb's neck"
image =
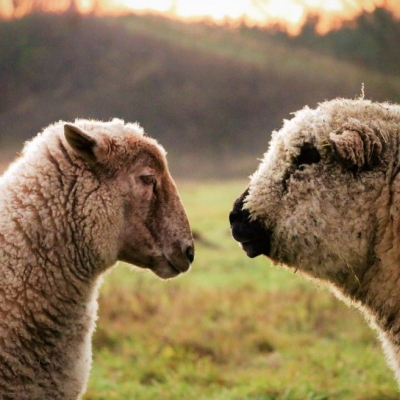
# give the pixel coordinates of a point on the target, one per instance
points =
(379, 300)
(53, 270)
(49, 293)
(54, 322)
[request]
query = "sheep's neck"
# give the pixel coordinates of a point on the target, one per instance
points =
(380, 289)
(379, 299)
(51, 293)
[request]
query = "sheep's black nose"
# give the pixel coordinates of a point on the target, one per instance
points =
(235, 216)
(252, 235)
(190, 254)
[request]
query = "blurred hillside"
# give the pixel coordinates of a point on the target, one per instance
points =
(371, 40)
(210, 94)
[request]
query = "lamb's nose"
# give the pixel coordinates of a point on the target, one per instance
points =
(235, 216)
(190, 253)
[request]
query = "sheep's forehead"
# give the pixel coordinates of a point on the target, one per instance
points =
(115, 129)
(125, 134)
(150, 153)
(314, 125)
(307, 126)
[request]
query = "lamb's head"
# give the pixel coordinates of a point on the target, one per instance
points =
(148, 222)
(319, 200)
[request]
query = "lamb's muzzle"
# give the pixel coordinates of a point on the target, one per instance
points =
(180, 262)
(251, 235)
(190, 253)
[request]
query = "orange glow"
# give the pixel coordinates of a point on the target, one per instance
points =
(291, 13)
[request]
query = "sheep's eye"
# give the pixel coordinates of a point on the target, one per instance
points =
(148, 179)
(308, 155)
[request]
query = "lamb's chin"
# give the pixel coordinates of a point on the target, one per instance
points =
(167, 270)
(258, 247)
(166, 273)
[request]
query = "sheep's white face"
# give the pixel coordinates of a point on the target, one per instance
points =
(144, 221)
(317, 201)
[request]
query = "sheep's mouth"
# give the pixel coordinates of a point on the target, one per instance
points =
(253, 242)
(167, 269)
(256, 247)
(251, 234)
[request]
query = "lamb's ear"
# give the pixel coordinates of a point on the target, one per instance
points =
(358, 145)
(82, 143)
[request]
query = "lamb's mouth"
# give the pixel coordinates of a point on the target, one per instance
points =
(254, 238)
(166, 269)
(256, 247)
(174, 270)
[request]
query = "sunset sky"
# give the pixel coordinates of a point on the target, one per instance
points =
(291, 12)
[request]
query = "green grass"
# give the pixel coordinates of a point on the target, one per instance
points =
(230, 329)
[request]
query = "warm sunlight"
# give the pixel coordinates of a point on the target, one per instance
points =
(291, 13)
(142, 5)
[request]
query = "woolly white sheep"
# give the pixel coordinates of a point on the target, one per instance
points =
(80, 197)
(325, 201)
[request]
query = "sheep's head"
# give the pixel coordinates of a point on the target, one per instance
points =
(316, 201)
(143, 214)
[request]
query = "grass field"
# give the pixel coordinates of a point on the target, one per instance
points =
(230, 329)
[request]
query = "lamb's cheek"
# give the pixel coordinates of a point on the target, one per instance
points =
(309, 221)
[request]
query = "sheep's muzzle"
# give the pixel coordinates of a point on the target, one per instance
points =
(253, 237)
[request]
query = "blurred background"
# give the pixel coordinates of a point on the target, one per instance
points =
(209, 79)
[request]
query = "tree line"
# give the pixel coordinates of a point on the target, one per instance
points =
(18, 8)
(370, 40)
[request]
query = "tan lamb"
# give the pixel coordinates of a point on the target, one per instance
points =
(80, 197)
(325, 201)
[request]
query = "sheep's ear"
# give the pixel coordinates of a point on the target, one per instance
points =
(80, 142)
(358, 145)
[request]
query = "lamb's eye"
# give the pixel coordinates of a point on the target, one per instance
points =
(308, 155)
(148, 179)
